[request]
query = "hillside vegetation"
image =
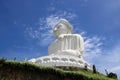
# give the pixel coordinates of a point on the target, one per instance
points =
(14, 70)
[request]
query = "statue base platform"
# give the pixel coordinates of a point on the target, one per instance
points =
(61, 60)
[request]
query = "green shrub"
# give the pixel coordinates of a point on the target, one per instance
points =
(112, 75)
(2, 60)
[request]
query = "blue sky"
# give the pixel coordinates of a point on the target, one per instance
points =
(26, 28)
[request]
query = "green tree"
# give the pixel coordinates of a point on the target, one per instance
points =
(14, 59)
(94, 69)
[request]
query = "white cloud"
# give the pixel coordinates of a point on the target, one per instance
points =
(109, 59)
(92, 48)
(42, 31)
(117, 68)
(103, 58)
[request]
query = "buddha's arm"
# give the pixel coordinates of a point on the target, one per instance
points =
(67, 42)
(81, 45)
(78, 43)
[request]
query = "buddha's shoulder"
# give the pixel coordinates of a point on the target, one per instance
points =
(70, 35)
(77, 35)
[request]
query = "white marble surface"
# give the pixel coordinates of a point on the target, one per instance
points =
(67, 44)
(66, 50)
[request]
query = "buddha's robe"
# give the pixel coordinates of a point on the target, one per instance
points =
(70, 44)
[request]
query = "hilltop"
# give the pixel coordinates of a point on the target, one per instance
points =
(14, 70)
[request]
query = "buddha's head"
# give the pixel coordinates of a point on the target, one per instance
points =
(63, 27)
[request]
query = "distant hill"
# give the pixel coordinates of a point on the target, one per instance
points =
(14, 70)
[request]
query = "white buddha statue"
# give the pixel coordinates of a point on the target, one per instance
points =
(66, 50)
(66, 42)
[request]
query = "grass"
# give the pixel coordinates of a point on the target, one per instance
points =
(9, 68)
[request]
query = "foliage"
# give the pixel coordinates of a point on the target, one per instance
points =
(112, 75)
(94, 69)
(14, 70)
(14, 59)
(2, 60)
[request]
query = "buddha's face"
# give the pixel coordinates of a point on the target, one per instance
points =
(60, 29)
